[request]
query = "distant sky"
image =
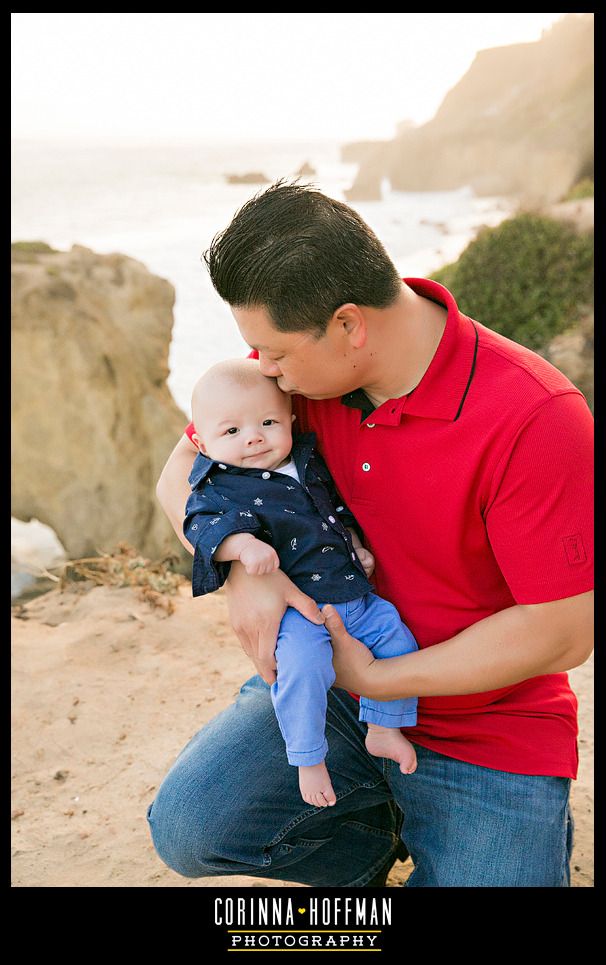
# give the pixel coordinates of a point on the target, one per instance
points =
(242, 76)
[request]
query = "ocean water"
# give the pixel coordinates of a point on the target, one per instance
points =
(161, 203)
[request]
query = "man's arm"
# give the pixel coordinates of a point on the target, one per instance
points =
(173, 489)
(512, 645)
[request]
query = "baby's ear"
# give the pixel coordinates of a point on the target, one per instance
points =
(293, 417)
(195, 438)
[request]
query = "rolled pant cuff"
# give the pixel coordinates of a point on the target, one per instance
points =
(387, 720)
(307, 758)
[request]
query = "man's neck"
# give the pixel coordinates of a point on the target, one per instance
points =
(402, 341)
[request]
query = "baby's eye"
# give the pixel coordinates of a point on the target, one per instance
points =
(267, 421)
(231, 431)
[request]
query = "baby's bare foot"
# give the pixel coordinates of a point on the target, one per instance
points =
(316, 787)
(390, 742)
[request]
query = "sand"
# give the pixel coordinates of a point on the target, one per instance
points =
(106, 692)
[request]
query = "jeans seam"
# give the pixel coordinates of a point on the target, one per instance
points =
(378, 832)
(307, 813)
(567, 858)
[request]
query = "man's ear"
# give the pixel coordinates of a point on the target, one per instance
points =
(349, 319)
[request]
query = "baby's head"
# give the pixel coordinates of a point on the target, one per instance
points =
(241, 416)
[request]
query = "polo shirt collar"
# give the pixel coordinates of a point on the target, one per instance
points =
(441, 392)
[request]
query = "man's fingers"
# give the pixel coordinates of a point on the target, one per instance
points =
(305, 605)
(269, 676)
(266, 647)
(245, 642)
(265, 667)
(333, 622)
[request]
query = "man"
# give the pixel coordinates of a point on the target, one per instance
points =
(466, 460)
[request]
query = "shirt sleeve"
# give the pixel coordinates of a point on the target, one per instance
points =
(539, 516)
(205, 527)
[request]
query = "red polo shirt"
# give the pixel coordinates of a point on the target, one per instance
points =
(474, 493)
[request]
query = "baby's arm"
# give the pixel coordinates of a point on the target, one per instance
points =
(365, 556)
(256, 556)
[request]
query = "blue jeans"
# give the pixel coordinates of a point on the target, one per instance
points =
(230, 805)
(305, 673)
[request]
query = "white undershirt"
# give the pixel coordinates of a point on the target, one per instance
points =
(289, 470)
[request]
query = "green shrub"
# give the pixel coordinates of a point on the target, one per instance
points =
(582, 189)
(34, 247)
(526, 278)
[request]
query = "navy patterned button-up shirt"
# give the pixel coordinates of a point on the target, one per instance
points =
(304, 522)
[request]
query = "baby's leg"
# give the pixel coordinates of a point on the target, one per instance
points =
(379, 627)
(304, 675)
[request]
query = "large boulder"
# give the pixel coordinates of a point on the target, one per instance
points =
(93, 419)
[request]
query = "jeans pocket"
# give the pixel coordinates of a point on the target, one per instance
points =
(288, 852)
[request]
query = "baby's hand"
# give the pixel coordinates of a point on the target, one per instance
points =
(259, 558)
(366, 559)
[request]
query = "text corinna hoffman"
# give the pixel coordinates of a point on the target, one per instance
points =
(303, 913)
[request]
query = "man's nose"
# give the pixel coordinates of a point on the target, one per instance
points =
(268, 368)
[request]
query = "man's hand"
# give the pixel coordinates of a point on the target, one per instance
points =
(356, 668)
(366, 559)
(256, 606)
(259, 558)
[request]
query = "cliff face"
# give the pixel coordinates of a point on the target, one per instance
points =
(519, 122)
(93, 420)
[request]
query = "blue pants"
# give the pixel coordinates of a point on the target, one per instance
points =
(230, 804)
(305, 673)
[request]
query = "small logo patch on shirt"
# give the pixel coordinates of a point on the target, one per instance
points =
(575, 551)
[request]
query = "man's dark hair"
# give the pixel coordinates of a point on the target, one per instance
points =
(300, 255)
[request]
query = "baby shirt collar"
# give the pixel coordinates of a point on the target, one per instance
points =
(300, 452)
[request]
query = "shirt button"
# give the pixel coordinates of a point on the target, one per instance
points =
(370, 425)
(265, 475)
(353, 556)
(366, 466)
(221, 466)
(331, 519)
(339, 509)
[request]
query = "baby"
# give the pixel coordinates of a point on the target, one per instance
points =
(270, 502)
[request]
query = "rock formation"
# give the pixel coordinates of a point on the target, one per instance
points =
(93, 419)
(251, 177)
(306, 170)
(519, 122)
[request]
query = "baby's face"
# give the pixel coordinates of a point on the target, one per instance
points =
(248, 427)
